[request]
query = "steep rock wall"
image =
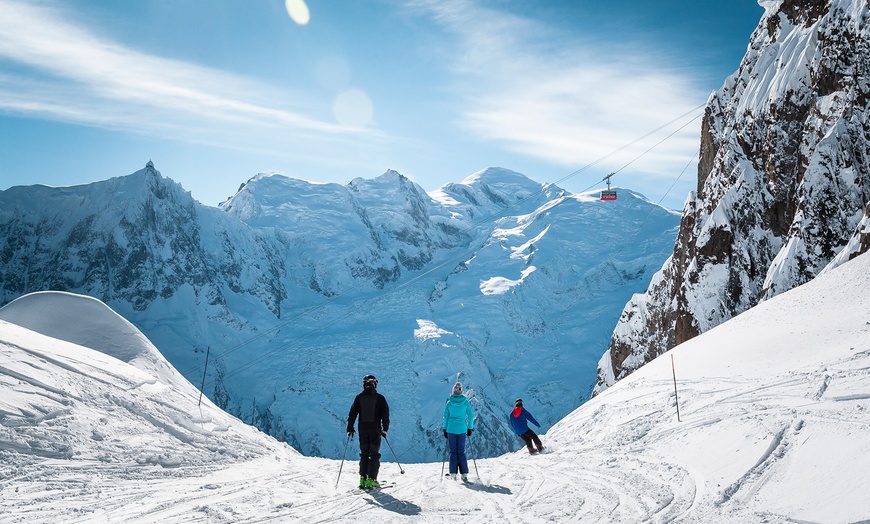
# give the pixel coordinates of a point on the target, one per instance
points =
(783, 181)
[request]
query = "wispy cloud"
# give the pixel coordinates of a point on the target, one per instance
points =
(66, 72)
(559, 98)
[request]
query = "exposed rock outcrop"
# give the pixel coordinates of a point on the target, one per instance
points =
(783, 181)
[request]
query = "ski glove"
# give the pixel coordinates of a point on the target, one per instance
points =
(350, 433)
(468, 433)
(384, 434)
(445, 433)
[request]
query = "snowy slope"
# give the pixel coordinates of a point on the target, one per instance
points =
(81, 383)
(774, 428)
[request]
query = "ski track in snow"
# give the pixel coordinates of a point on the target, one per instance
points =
(557, 486)
(614, 471)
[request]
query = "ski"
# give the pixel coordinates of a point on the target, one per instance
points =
(384, 485)
(458, 479)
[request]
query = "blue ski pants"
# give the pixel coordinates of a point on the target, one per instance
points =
(456, 443)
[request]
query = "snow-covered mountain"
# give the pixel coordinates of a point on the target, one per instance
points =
(772, 427)
(783, 181)
(293, 291)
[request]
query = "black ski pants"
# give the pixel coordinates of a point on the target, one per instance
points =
(529, 437)
(369, 454)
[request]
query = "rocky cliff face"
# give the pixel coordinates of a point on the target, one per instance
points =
(133, 240)
(783, 180)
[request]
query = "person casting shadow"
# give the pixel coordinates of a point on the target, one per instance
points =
(374, 422)
(458, 423)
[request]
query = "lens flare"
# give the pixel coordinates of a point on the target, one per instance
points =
(298, 11)
(353, 108)
(333, 72)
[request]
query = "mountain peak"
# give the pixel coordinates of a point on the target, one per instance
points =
(390, 178)
(501, 178)
(494, 189)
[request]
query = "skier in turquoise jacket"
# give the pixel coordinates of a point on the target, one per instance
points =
(457, 425)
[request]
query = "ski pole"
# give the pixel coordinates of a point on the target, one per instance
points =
(676, 398)
(443, 459)
(474, 460)
(342, 460)
(394, 454)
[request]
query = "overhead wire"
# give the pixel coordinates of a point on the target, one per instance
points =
(565, 310)
(626, 146)
(606, 264)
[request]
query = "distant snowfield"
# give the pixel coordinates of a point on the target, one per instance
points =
(775, 427)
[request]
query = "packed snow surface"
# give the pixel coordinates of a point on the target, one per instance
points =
(773, 427)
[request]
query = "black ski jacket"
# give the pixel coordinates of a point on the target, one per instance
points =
(373, 411)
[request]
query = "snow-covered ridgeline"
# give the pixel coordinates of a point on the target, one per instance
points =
(783, 185)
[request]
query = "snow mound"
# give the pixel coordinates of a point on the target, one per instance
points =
(86, 321)
(80, 383)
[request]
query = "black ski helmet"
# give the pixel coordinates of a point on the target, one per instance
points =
(518, 402)
(369, 381)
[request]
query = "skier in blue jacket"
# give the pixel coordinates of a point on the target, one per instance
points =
(520, 418)
(457, 425)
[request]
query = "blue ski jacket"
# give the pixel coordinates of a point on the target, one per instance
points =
(520, 419)
(458, 415)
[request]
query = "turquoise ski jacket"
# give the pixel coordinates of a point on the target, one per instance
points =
(458, 415)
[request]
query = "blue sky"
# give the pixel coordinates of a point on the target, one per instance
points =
(216, 92)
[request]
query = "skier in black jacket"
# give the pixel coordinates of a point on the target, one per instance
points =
(374, 422)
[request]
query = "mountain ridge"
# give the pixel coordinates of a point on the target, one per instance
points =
(291, 284)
